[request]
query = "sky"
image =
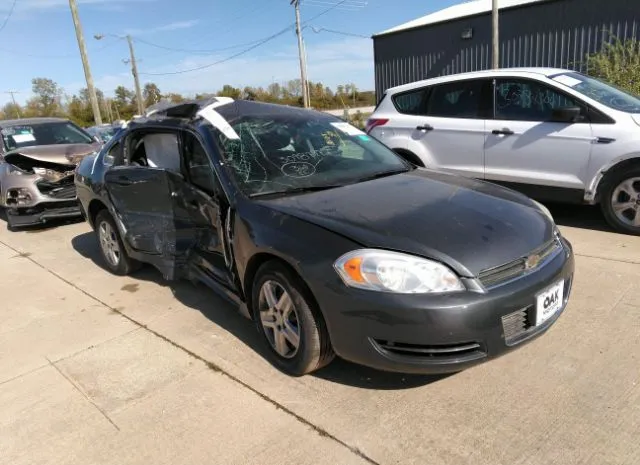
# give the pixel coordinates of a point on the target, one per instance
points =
(38, 40)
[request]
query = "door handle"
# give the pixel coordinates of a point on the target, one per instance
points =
(425, 127)
(502, 132)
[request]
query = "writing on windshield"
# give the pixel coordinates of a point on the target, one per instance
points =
(280, 153)
(601, 92)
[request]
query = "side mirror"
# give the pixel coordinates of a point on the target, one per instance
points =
(567, 115)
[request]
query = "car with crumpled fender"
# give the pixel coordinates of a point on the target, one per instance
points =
(38, 157)
(329, 241)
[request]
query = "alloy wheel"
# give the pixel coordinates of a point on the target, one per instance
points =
(279, 319)
(625, 202)
(109, 243)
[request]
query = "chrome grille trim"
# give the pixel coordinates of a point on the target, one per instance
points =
(503, 274)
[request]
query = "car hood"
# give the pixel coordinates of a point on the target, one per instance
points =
(61, 154)
(469, 225)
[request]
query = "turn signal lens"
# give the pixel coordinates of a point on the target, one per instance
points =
(352, 268)
(381, 270)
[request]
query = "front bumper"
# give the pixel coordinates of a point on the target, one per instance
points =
(43, 213)
(439, 334)
(30, 200)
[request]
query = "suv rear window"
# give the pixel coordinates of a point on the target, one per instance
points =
(410, 103)
(461, 99)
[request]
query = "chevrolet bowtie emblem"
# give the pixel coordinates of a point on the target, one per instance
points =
(531, 261)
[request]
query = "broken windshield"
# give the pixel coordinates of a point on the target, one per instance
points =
(28, 135)
(298, 151)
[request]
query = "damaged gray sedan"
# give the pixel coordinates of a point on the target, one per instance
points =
(38, 157)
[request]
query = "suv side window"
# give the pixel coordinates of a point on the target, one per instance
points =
(460, 99)
(524, 100)
(198, 167)
(410, 103)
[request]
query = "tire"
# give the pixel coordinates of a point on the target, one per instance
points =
(620, 200)
(314, 349)
(119, 264)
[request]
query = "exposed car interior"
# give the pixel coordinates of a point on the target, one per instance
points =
(156, 150)
(178, 152)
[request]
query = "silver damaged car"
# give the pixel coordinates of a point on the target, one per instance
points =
(38, 157)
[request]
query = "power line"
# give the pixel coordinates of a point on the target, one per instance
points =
(229, 23)
(162, 47)
(258, 44)
(351, 5)
(321, 29)
(264, 41)
(6, 20)
(54, 57)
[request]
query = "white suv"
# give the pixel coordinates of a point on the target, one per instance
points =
(553, 134)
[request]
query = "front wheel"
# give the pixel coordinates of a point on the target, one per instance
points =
(112, 250)
(286, 317)
(620, 201)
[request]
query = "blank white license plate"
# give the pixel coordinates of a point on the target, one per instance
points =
(549, 302)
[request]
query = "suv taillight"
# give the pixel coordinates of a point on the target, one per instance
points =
(374, 122)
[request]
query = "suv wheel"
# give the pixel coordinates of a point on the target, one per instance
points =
(286, 317)
(620, 201)
(112, 250)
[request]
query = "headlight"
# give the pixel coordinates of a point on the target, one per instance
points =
(380, 270)
(15, 170)
(51, 175)
(544, 210)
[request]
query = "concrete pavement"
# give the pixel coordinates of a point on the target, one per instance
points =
(101, 369)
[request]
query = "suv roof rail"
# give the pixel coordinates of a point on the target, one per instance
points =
(184, 110)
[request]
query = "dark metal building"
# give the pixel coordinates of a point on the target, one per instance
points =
(549, 33)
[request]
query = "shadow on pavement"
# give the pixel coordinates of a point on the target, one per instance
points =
(579, 216)
(225, 315)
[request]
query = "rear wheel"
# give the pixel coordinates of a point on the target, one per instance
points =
(112, 250)
(620, 201)
(286, 317)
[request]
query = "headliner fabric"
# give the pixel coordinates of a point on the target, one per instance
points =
(162, 151)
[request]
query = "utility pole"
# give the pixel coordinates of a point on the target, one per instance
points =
(301, 52)
(13, 98)
(85, 62)
(495, 32)
(134, 71)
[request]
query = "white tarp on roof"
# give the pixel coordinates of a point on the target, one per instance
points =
(461, 10)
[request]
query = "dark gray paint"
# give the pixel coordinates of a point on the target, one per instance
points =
(555, 33)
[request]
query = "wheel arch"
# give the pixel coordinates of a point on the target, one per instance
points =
(598, 183)
(95, 207)
(254, 264)
(410, 156)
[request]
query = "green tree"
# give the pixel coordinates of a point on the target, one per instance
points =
(275, 91)
(124, 102)
(79, 111)
(174, 98)
(617, 63)
(230, 91)
(47, 94)
(151, 94)
(11, 111)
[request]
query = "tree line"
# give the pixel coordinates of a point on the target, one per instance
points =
(49, 99)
